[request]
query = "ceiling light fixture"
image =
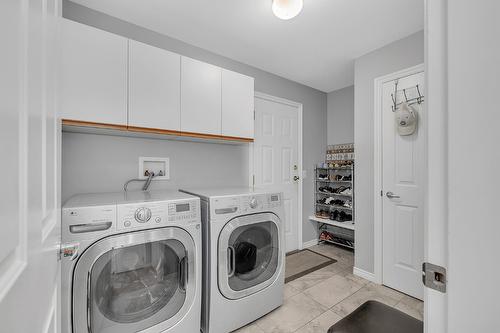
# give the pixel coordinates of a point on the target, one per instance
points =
(287, 9)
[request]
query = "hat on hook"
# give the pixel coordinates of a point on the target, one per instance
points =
(406, 119)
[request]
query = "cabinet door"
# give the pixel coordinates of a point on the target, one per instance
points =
(154, 87)
(94, 75)
(237, 104)
(200, 97)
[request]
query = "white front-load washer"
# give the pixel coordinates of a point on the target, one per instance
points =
(131, 263)
(243, 256)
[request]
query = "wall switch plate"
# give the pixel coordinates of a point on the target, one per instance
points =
(158, 165)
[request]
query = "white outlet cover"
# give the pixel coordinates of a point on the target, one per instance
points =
(154, 164)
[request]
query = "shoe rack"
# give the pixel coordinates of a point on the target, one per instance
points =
(334, 204)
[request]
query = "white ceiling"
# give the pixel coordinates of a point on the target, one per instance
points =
(316, 48)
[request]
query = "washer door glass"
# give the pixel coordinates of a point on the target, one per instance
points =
(251, 245)
(131, 284)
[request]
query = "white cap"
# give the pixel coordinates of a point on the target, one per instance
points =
(406, 119)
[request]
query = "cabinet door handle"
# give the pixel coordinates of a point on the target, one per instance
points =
(296, 178)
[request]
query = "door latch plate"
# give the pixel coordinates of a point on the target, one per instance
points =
(434, 277)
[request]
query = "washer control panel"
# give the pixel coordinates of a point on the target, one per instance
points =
(183, 211)
(155, 214)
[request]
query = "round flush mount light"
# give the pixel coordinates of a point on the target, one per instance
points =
(287, 9)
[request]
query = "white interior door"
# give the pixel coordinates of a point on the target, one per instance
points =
(275, 159)
(30, 139)
(404, 163)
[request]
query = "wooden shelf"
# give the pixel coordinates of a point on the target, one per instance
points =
(77, 126)
(346, 225)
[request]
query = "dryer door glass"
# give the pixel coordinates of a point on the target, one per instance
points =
(253, 254)
(139, 286)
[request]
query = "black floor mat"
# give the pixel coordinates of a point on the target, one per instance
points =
(375, 317)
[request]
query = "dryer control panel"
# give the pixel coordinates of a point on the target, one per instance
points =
(245, 204)
(156, 214)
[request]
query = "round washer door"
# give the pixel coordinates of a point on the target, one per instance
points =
(131, 282)
(250, 256)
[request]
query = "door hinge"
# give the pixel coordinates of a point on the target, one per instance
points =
(253, 180)
(434, 277)
(253, 114)
(381, 193)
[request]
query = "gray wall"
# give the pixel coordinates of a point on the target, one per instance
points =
(340, 116)
(396, 56)
(102, 163)
(314, 108)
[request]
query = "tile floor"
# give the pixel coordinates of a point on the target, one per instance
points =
(318, 300)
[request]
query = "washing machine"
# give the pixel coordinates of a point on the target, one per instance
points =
(131, 262)
(243, 256)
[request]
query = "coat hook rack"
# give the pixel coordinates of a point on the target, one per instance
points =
(410, 101)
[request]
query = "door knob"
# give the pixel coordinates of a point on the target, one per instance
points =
(391, 195)
(296, 178)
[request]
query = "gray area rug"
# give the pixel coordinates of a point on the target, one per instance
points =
(304, 262)
(375, 317)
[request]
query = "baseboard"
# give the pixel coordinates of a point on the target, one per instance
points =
(364, 274)
(310, 243)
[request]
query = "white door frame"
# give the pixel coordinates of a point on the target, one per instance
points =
(299, 107)
(436, 206)
(378, 167)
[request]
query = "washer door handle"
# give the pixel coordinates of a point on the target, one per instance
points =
(183, 273)
(231, 260)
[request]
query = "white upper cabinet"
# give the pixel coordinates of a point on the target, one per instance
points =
(154, 87)
(200, 97)
(237, 105)
(93, 75)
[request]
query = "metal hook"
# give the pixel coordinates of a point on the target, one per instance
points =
(394, 96)
(419, 99)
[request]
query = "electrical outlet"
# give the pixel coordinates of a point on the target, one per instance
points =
(160, 166)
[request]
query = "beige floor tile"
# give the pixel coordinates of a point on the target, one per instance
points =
(412, 307)
(333, 290)
(370, 291)
(293, 314)
(311, 279)
(290, 291)
(250, 328)
(320, 324)
(348, 274)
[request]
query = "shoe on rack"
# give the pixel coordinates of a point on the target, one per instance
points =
(346, 191)
(321, 201)
(334, 215)
(323, 177)
(340, 189)
(329, 201)
(338, 202)
(347, 204)
(325, 189)
(341, 216)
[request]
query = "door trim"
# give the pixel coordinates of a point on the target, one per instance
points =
(299, 106)
(378, 167)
